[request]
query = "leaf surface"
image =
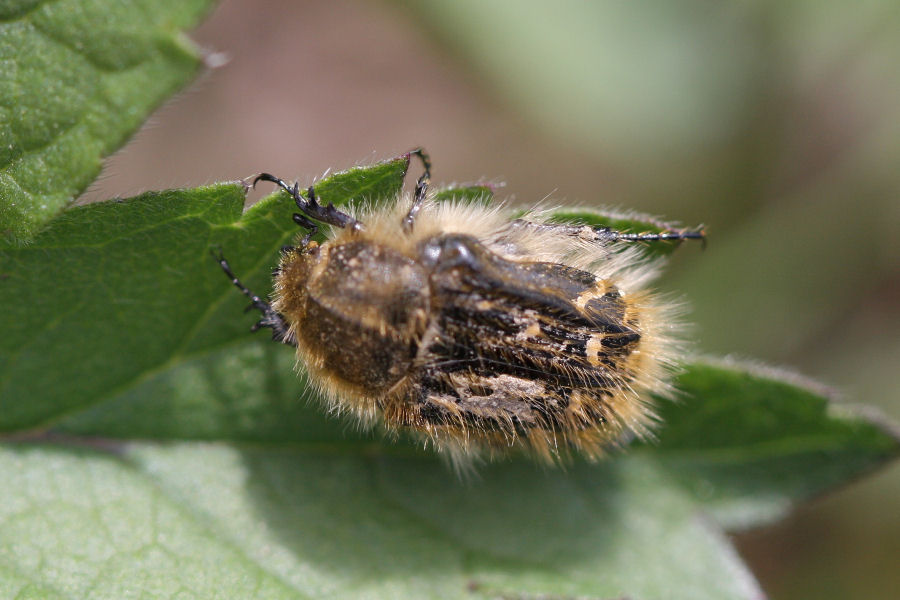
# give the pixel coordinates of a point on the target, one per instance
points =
(480, 193)
(77, 77)
(193, 520)
(750, 442)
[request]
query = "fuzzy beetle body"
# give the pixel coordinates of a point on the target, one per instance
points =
(480, 331)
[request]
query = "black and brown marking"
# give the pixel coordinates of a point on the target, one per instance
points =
(468, 338)
(527, 350)
(457, 341)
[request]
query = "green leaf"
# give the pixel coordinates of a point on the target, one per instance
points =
(750, 442)
(121, 325)
(212, 520)
(85, 524)
(77, 77)
(111, 293)
(480, 193)
(376, 183)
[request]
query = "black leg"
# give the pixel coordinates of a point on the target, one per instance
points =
(606, 235)
(679, 234)
(311, 207)
(311, 229)
(421, 189)
(270, 318)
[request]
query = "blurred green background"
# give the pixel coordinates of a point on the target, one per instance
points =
(776, 124)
